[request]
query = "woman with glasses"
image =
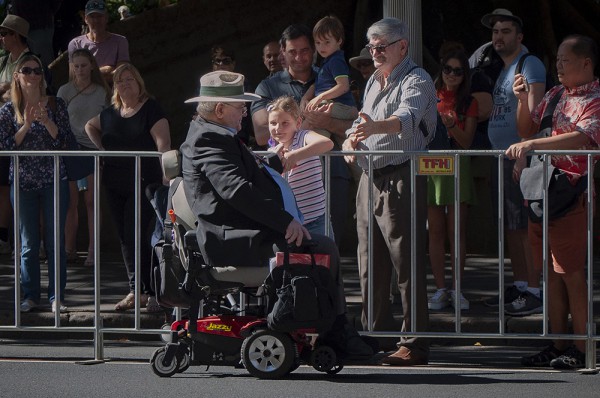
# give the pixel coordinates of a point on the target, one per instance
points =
(134, 122)
(86, 95)
(33, 121)
(458, 111)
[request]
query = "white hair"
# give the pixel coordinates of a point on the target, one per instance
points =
(388, 28)
(205, 108)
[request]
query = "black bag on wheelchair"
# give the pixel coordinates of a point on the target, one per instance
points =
(300, 296)
(167, 275)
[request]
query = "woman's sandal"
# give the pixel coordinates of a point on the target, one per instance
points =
(126, 304)
(89, 260)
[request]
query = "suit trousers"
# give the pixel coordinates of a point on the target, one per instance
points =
(392, 235)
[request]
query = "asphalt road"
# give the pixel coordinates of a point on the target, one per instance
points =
(46, 370)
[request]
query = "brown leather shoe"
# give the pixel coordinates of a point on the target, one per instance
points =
(405, 357)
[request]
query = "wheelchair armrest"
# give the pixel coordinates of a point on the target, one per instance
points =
(190, 242)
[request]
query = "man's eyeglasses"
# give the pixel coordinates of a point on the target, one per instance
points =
(222, 61)
(447, 69)
(380, 48)
(243, 108)
(26, 70)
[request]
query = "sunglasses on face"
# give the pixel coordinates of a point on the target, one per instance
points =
(222, 61)
(447, 69)
(6, 33)
(26, 70)
(380, 48)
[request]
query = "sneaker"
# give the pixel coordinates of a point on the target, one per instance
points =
(525, 304)
(27, 305)
(572, 358)
(440, 300)
(62, 308)
(5, 247)
(510, 295)
(542, 358)
(464, 303)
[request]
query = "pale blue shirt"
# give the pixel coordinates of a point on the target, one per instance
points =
(502, 127)
(289, 200)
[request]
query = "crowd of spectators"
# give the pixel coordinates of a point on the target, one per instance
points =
(303, 110)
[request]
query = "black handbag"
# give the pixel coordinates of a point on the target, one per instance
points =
(562, 195)
(300, 296)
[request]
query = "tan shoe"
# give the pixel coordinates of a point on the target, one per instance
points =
(405, 357)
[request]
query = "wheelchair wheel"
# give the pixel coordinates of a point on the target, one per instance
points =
(268, 355)
(335, 370)
(323, 359)
(183, 363)
(161, 369)
(166, 338)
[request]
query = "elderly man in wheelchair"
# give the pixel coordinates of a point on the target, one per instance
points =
(242, 209)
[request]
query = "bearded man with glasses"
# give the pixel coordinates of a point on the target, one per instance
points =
(398, 98)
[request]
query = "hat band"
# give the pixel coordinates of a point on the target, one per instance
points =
(222, 91)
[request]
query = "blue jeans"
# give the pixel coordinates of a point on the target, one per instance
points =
(317, 226)
(31, 204)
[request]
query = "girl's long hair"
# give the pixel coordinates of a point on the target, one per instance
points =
(16, 94)
(96, 74)
(463, 92)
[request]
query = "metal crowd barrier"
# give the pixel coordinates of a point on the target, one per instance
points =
(420, 161)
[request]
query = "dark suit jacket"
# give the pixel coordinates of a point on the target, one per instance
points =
(239, 206)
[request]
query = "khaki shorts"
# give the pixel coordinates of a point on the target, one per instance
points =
(567, 240)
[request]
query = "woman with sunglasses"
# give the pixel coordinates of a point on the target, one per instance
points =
(86, 95)
(134, 122)
(32, 121)
(458, 111)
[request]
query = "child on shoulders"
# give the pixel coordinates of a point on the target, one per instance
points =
(332, 84)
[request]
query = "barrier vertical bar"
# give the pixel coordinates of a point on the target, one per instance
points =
(138, 236)
(370, 245)
(56, 241)
(98, 334)
(457, 252)
(590, 344)
(327, 182)
(17, 235)
(545, 242)
(501, 243)
(413, 244)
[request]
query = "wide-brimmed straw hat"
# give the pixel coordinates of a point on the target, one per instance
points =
(16, 24)
(364, 55)
(223, 86)
(499, 13)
